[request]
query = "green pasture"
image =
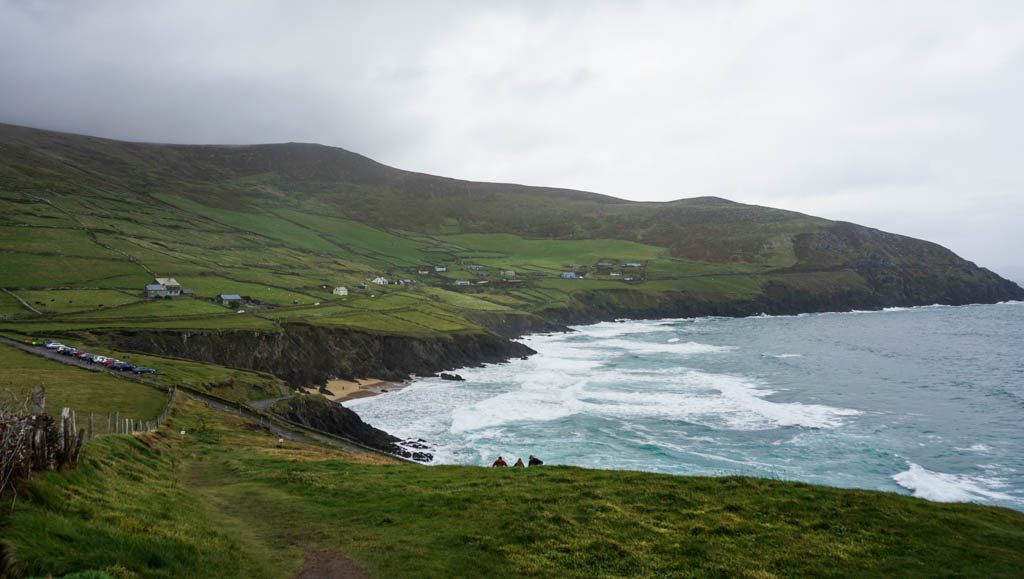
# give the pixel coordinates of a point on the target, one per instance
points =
(83, 390)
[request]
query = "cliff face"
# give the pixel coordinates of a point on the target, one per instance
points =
(321, 414)
(310, 355)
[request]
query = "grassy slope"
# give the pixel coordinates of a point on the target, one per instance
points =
(283, 224)
(82, 390)
(225, 500)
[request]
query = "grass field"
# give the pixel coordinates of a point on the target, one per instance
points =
(226, 500)
(80, 389)
(64, 301)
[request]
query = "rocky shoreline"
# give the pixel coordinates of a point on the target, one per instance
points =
(306, 355)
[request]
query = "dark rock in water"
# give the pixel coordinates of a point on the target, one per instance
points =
(455, 377)
(322, 414)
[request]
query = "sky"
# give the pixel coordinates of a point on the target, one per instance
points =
(905, 116)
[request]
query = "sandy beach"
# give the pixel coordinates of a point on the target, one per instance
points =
(342, 390)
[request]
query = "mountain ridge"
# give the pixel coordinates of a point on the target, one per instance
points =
(302, 217)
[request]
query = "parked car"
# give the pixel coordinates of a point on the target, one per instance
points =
(123, 367)
(83, 355)
(98, 359)
(109, 362)
(53, 345)
(69, 351)
(144, 370)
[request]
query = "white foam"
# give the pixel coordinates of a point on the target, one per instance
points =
(716, 401)
(681, 348)
(624, 328)
(952, 488)
(978, 447)
(770, 355)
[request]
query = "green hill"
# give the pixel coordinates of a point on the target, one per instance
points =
(86, 223)
(227, 500)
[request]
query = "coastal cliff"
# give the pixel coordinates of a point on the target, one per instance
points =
(305, 355)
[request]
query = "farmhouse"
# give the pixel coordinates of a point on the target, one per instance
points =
(477, 267)
(172, 285)
(379, 281)
(463, 282)
(604, 265)
(340, 291)
(230, 300)
(568, 275)
(508, 274)
(634, 264)
(156, 290)
(440, 268)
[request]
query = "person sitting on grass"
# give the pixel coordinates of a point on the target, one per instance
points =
(534, 461)
(499, 462)
(519, 462)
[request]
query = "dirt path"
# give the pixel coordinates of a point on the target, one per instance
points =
(320, 564)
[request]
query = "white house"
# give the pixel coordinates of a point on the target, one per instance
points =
(463, 282)
(440, 268)
(172, 285)
(341, 291)
(380, 281)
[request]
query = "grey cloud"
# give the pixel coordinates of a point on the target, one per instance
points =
(902, 115)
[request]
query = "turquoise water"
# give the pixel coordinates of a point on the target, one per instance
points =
(926, 401)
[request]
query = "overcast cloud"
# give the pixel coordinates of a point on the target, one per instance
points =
(900, 115)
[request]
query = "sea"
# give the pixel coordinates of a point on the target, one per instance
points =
(926, 401)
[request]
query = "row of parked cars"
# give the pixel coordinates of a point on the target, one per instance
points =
(106, 361)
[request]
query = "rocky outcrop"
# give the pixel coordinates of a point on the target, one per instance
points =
(321, 414)
(306, 355)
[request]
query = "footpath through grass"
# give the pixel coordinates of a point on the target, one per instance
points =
(224, 500)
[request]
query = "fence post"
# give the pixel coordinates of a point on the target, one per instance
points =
(38, 400)
(61, 434)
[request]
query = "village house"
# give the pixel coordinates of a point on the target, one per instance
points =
(615, 273)
(156, 290)
(463, 282)
(172, 285)
(361, 286)
(341, 291)
(379, 281)
(440, 268)
(508, 274)
(477, 267)
(568, 275)
(634, 264)
(604, 265)
(423, 272)
(230, 300)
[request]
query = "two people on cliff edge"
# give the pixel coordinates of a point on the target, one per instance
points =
(500, 462)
